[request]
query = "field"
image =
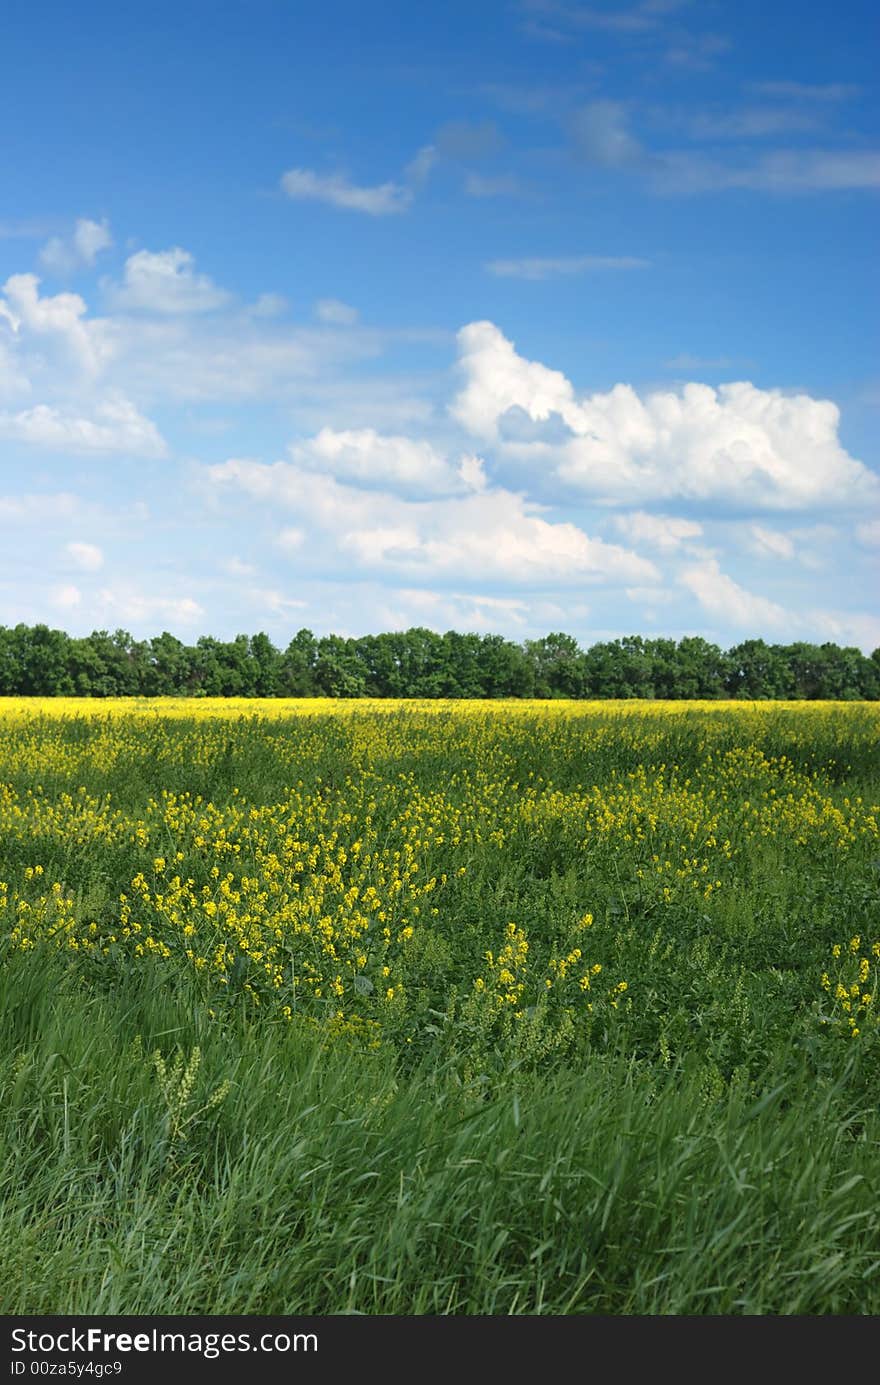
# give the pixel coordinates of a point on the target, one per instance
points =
(375, 1007)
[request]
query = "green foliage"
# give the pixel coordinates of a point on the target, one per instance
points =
(419, 663)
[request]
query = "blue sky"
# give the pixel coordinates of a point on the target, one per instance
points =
(520, 317)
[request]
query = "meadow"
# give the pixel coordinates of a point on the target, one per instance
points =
(439, 1007)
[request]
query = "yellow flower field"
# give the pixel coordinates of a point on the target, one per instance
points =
(526, 874)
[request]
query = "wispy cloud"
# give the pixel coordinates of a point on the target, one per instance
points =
(464, 140)
(380, 199)
(806, 91)
(699, 52)
(536, 268)
(782, 171)
(502, 185)
(336, 313)
(751, 122)
(601, 136)
(645, 17)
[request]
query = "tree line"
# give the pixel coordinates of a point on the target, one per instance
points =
(39, 661)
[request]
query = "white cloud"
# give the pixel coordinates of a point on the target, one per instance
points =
(550, 268)
(275, 603)
(336, 313)
(845, 627)
(411, 606)
(471, 469)
(235, 357)
(66, 597)
(770, 542)
(86, 556)
(385, 199)
(649, 597)
(749, 447)
(60, 256)
(58, 318)
(236, 567)
(658, 531)
(116, 426)
(126, 603)
(418, 169)
(364, 457)
(291, 539)
(269, 305)
(14, 383)
(493, 535)
(868, 533)
(165, 282)
(46, 508)
(497, 379)
(729, 603)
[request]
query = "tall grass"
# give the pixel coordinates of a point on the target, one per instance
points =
(707, 1148)
(324, 1183)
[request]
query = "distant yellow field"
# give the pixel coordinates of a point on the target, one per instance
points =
(233, 708)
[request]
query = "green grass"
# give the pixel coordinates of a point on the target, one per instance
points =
(324, 1183)
(709, 1147)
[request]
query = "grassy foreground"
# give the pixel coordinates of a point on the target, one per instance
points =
(438, 1010)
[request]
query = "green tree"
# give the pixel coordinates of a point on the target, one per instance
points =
(558, 666)
(296, 677)
(338, 670)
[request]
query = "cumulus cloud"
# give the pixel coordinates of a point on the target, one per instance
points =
(86, 556)
(64, 256)
(166, 282)
(538, 268)
(116, 425)
(367, 458)
(753, 448)
(383, 199)
(58, 318)
(727, 602)
(664, 532)
(489, 535)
